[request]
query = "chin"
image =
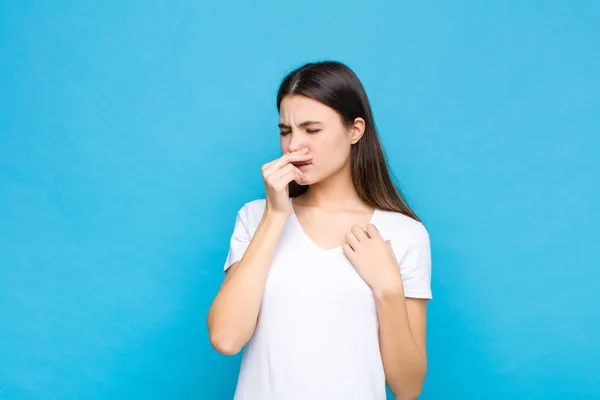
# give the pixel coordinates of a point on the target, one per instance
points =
(308, 181)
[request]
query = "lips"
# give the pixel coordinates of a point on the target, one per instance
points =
(301, 163)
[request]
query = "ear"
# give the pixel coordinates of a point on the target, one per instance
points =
(357, 130)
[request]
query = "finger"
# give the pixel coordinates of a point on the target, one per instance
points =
(270, 163)
(298, 177)
(348, 251)
(267, 165)
(286, 178)
(359, 232)
(301, 178)
(290, 167)
(352, 240)
(390, 248)
(372, 231)
(286, 159)
(283, 156)
(274, 179)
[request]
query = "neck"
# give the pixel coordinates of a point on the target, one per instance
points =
(334, 193)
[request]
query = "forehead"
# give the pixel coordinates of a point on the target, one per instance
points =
(295, 109)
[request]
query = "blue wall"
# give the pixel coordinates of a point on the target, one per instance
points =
(131, 133)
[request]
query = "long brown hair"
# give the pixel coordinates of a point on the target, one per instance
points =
(337, 86)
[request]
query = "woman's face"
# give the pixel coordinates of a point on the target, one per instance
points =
(304, 122)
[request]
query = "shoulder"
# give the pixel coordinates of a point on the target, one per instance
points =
(256, 206)
(401, 228)
(252, 212)
(410, 241)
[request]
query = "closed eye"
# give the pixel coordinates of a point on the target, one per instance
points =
(283, 133)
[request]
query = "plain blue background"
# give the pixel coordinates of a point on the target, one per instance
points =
(131, 133)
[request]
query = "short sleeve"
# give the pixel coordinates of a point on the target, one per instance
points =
(415, 267)
(240, 239)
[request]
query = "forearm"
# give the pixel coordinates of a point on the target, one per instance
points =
(404, 364)
(233, 315)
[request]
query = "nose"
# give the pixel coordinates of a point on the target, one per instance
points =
(296, 142)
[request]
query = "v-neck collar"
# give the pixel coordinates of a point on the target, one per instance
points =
(311, 242)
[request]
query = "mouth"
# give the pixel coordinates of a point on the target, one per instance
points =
(302, 165)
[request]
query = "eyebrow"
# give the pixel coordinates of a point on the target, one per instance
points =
(305, 123)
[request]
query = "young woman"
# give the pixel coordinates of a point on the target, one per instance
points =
(328, 276)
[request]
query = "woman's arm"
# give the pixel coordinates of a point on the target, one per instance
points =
(402, 327)
(234, 312)
(401, 320)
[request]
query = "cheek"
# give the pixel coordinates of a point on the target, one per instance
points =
(284, 143)
(332, 151)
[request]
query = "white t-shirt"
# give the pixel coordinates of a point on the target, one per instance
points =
(317, 331)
